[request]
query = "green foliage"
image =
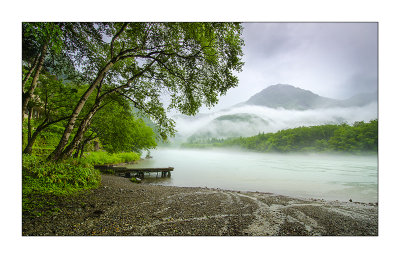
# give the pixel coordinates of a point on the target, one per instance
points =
(42, 181)
(119, 130)
(46, 141)
(54, 101)
(36, 34)
(361, 137)
(194, 63)
(55, 96)
(103, 158)
(65, 177)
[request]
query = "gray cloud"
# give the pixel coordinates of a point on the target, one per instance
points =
(335, 60)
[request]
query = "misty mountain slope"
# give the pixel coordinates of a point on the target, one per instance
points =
(232, 125)
(289, 97)
(359, 100)
(293, 98)
(279, 107)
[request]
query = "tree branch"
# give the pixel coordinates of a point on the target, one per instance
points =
(115, 37)
(28, 75)
(127, 84)
(168, 69)
(136, 104)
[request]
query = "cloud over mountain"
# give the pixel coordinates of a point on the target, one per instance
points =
(275, 108)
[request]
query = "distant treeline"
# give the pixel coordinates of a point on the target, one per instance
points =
(358, 137)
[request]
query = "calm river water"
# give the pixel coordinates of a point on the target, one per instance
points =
(331, 177)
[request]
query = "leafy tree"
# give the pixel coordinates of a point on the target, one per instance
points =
(120, 131)
(54, 101)
(37, 39)
(192, 63)
(57, 49)
(359, 137)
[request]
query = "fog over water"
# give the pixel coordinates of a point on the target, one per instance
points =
(327, 176)
(333, 60)
(331, 177)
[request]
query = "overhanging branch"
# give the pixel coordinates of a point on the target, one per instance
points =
(115, 37)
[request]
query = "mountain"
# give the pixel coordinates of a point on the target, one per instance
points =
(289, 97)
(275, 108)
(234, 125)
(360, 100)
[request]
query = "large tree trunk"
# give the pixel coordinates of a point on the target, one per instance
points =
(29, 133)
(29, 124)
(56, 154)
(28, 95)
(31, 141)
(39, 129)
(59, 152)
(84, 125)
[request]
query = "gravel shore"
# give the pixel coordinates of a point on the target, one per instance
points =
(121, 208)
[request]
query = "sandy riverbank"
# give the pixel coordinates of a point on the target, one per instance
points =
(119, 207)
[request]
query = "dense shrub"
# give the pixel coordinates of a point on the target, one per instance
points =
(103, 158)
(65, 177)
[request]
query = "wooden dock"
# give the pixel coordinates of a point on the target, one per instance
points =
(135, 172)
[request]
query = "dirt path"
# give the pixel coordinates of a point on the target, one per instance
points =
(120, 207)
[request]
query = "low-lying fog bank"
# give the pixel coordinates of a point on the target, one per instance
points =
(270, 119)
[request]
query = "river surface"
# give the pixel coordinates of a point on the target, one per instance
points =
(322, 176)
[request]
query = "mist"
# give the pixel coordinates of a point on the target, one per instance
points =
(332, 177)
(276, 119)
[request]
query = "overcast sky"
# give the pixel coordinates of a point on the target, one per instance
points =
(335, 60)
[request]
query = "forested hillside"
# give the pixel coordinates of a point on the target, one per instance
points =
(358, 137)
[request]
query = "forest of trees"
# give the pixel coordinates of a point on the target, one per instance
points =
(96, 93)
(86, 81)
(359, 137)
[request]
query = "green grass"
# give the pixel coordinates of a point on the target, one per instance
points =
(41, 180)
(104, 158)
(64, 177)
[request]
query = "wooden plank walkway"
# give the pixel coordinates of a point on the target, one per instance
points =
(135, 172)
